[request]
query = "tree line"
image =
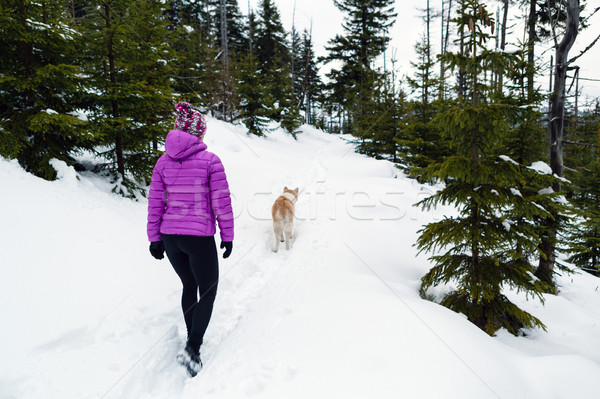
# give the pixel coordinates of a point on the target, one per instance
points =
(101, 77)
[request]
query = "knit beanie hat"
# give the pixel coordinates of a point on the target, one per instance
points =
(189, 119)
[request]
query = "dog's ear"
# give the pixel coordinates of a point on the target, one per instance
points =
(285, 188)
(296, 190)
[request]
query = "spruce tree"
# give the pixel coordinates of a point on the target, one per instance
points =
(353, 85)
(251, 87)
(393, 109)
(479, 250)
(252, 96)
(196, 68)
(556, 122)
(127, 62)
(228, 37)
(274, 58)
(525, 143)
(40, 86)
(583, 236)
(583, 161)
(237, 40)
(422, 144)
(308, 82)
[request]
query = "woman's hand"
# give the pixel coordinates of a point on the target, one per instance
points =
(157, 249)
(228, 245)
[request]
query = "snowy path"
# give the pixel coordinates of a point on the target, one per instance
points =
(89, 314)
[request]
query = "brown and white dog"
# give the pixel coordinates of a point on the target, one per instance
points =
(283, 217)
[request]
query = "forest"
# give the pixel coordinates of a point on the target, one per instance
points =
(519, 162)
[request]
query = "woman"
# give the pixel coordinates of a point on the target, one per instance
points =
(188, 192)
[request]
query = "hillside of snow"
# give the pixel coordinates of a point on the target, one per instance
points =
(88, 313)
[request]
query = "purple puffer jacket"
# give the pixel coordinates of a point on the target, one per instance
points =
(188, 191)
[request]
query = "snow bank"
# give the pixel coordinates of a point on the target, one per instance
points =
(88, 313)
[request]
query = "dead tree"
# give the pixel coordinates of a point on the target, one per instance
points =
(225, 61)
(556, 113)
(444, 45)
(532, 36)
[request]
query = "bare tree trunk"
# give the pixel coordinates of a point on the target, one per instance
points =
(305, 82)
(558, 97)
(428, 61)
(445, 34)
(447, 26)
(531, 46)
(461, 68)
(294, 39)
(224, 41)
(250, 31)
(225, 60)
(441, 93)
(503, 40)
(556, 121)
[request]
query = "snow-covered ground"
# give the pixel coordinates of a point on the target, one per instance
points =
(88, 313)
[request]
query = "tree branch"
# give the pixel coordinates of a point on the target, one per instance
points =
(553, 27)
(591, 15)
(584, 51)
(581, 144)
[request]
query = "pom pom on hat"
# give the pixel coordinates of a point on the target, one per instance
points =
(190, 119)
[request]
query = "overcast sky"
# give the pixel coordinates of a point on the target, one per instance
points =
(326, 23)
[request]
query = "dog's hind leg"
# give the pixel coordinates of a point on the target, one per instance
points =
(277, 228)
(288, 234)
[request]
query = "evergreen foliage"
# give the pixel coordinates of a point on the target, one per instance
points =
(353, 86)
(583, 236)
(129, 103)
(237, 38)
(483, 249)
(251, 85)
(252, 96)
(40, 86)
(274, 59)
(307, 82)
(422, 143)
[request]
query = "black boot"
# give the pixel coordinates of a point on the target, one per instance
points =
(190, 359)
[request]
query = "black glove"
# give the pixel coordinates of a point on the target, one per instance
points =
(157, 249)
(228, 245)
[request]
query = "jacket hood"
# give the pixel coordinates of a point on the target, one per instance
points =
(180, 144)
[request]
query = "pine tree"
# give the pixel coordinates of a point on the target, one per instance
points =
(481, 251)
(227, 31)
(393, 108)
(274, 58)
(40, 86)
(237, 40)
(252, 96)
(251, 87)
(422, 143)
(583, 159)
(308, 83)
(525, 143)
(196, 68)
(127, 64)
(584, 236)
(296, 56)
(152, 110)
(352, 86)
(556, 119)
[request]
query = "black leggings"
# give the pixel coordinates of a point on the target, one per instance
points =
(195, 261)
